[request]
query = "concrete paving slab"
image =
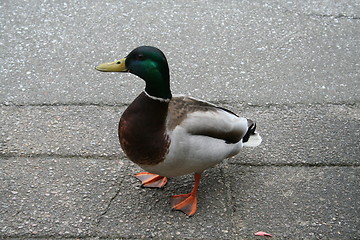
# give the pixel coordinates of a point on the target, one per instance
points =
(146, 213)
(52, 197)
(85, 198)
(60, 130)
(295, 202)
(292, 135)
(308, 52)
(315, 135)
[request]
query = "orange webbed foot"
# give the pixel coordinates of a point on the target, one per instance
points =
(187, 203)
(151, 180)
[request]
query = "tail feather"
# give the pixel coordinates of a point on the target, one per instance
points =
(251, 138)
(253, 141)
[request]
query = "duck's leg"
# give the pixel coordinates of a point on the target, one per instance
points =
(187, 203)
(151, 180)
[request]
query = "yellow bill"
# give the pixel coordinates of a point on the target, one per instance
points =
(117, 66)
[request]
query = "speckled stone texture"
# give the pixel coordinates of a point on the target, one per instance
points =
(292, 66)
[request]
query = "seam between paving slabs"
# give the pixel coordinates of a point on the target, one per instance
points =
(63, 156)
(219, 102)
(355, 163)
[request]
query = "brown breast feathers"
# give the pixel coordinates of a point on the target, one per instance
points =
(142, 130)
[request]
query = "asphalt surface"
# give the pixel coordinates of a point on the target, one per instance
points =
(293, 67)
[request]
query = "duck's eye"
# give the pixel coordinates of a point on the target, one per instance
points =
(118, 62)
(140, 57)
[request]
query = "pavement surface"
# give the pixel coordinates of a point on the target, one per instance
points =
(293, 66)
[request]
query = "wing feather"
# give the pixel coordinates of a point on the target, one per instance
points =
(203, 118)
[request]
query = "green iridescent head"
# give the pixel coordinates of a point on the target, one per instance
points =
(150, 64)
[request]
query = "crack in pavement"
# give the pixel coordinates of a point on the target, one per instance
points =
(340, 15)
(117, 184)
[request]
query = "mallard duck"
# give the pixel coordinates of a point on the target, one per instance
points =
(172, 135)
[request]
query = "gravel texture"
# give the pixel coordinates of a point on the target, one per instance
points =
(292, 66)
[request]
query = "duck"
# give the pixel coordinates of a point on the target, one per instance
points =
(173, 135)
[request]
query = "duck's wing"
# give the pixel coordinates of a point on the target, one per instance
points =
(206, 119)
